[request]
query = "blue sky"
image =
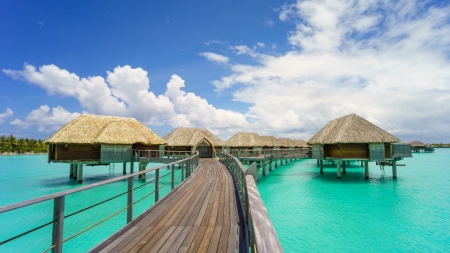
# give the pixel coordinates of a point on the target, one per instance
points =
(273, 67)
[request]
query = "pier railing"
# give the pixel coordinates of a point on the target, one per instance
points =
(185, 168)
(161, 154)
(271, 153)
(262, 235)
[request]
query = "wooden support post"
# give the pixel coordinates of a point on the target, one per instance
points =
(130, 200)
(132, 167)
(362, 163)
(80, 173)
(173, 176)
(366, 169)
(270, 165)
(276, 163)
(125, 168)
(317, 162)
(321, 166)
(328, 163)
(344, 167)
(141, 168)
(75, 171)
(394, 169)
(338, 169)
(156, 185)
(239, 153)
(58, 224)
(71, 171)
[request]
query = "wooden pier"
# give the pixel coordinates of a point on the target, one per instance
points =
(199, 216)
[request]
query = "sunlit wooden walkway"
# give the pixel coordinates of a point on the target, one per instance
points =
(198, 216)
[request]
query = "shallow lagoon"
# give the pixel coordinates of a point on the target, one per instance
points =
(315, 212)
(25, 177)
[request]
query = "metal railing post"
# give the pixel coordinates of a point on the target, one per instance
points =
(130, 200)
(156, 185)
(173, 176)
(182, 171)
(58, 224)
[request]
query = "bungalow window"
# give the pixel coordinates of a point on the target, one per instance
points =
(64, 148)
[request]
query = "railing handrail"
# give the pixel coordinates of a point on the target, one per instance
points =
(79, 189)
(262, 232)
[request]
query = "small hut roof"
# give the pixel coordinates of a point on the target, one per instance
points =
(286, 142)
(270, 141)
(185, 136)
(245, 139)
(95, 129)
(417, 144)
(300, 143)
(351, 129)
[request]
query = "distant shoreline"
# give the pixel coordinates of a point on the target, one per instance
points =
(25, 153)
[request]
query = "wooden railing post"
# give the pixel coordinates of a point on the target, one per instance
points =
(58, 224)
(130, 200)
(173, 176)
(156, 185)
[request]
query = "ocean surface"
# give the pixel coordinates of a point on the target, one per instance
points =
(311, 212)
(314, 212)
(25, 177)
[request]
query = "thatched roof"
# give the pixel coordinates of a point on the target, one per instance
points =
(286, 142)
(245, 139)
(95, 129)
(185, 136)
(270, 141)
(417, 144)
(300, 143)
(351, 129)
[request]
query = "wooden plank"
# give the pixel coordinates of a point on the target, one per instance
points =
(224, 237)
(206, 239)
(189, 239)
(175, 245)
(195, 244)
(164, 245)
(214, 243)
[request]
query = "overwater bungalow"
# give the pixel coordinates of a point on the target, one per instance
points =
(271, 142)
(99, 140)
(418, 147)
(286, 143)
(300, 143)
(352, 138)
(250, 143)
(192, 139)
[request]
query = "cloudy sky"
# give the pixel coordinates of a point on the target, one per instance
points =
(281, 68)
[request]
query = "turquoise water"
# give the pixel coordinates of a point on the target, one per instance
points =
(27, 177)
(315, 212)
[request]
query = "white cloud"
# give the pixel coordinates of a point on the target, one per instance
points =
(215, 57)
(45, 120)
(125, 92)
(388, 62)
(7, 114)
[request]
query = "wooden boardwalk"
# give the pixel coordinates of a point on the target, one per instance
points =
(199, 216)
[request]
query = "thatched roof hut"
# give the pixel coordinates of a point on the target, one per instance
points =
(287, 143)
(300, 143)
(191, 139)
(91, 139)
(245, 139)
(354, 137)
(270, 141)
(95, 129)
(185, 136)
(418, 144)
(351, 129)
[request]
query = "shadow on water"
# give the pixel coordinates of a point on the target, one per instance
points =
(354, 174)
